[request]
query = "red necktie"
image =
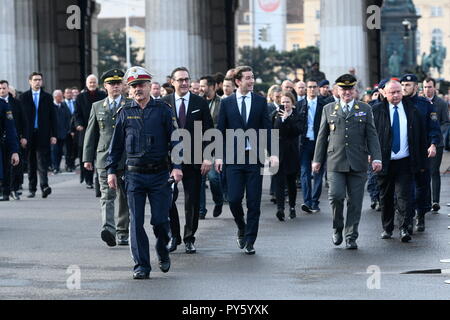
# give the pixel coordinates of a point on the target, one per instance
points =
(182, 114)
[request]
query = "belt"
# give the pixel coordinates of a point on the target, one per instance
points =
(149, 168)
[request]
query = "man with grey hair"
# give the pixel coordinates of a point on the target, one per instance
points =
(63, 119)
(300, 90)
(83, 106)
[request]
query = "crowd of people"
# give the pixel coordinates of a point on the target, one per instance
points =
(391, 136)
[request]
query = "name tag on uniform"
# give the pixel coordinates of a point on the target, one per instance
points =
(195, 111)
(101, 112)
(360, 114)
(133, 117)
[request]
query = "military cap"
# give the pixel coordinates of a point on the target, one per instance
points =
(346, 81)
(137, 75)
(324, 83)
(113, 75)
(409, 77)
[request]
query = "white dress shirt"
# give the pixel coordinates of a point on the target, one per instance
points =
(111, 102)
(248, 102)
(350, 104)
(178, 103)
(404, 147)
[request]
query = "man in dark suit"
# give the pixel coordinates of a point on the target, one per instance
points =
(403, 139)
(13, 175)
(41, 117)
(244, 110)
(71, 139)
(346, 138)
(83, 106)
(63, 117)
(310, 113)
(189, 109)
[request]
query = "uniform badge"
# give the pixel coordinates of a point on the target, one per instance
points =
(336, 108)
(332, 126)
(433, 116)
(356, 107)
(9, 115)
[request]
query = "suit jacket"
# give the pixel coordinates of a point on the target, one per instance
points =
(214, 108)
(64, 117)
(99, 131)
(20, 119)
(47, 122)
(347, 141)
(197, 111)
(441, 108)
(302, 109)
(230, 118)
(417, 135)
(83, 106)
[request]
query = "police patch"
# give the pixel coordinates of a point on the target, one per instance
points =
(433, 116)
(9, 115)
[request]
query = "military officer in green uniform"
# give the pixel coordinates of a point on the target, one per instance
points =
(347, 137)
(98, 136)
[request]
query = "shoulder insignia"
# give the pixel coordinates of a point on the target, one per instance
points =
(9, 115)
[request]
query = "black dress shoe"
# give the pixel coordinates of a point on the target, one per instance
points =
(386, 235)
(240, 240)
(351, 244)
(306, 208)
(337, 237)
(140, 275)
(280, 215)
(164, 265)
(420, 224)
(435, 207)
(108, 237)
(292, 213)
(31, 195)
(15, 195)
(4, 198)
(404, 235)
(201, 217)
(217, 211)
(89, 186)
(122, 241)
(249, 249)
(190, 248)
(273, 200)
(373, 205)
(46, 192)
(172, 244)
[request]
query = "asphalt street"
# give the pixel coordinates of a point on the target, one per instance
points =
(46, 243)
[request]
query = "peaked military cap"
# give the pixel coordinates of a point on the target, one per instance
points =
(383, 82)
(324, 83)
(409, 77)
(113, 75)
(137, 75)
(346, 81)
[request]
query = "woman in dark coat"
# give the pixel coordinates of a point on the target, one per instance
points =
(287, 121)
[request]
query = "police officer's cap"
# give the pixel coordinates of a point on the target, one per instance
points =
(113, 75)
(383, 82)
(409, 77)
(346, 81)
(136, 75)
(324, 83)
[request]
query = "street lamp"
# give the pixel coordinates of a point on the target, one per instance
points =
(407, 26)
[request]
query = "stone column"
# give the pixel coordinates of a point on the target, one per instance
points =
(26, 42)
(343, 39)
(94, 39)
(8, 61)
(167, 36)
(195, 38)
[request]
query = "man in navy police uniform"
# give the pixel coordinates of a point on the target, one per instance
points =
(8, 129)
(143, 130)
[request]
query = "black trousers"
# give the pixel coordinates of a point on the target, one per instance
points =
(13, 175)
(281, 180)
(435, 165)
(38, 161)
(192, 180)
(397, 181)
(85, 175)
(71, 151)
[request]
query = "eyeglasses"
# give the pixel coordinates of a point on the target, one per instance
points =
(182, 80)
(311, 87)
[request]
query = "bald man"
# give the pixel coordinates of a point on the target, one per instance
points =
(83, 106)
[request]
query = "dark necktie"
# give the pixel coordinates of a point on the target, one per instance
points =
(182, 114)
(396, 131)
(244, 110)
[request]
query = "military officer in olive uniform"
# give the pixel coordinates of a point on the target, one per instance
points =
(347, 136)
(97, 139)
(144, 130)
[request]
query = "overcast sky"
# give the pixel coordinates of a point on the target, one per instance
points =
(118, 8)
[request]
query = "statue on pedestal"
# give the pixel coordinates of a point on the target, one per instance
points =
(394, 64)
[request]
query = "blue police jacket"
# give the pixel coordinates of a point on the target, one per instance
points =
(428, 115)
(8, 131)
(144, 134)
